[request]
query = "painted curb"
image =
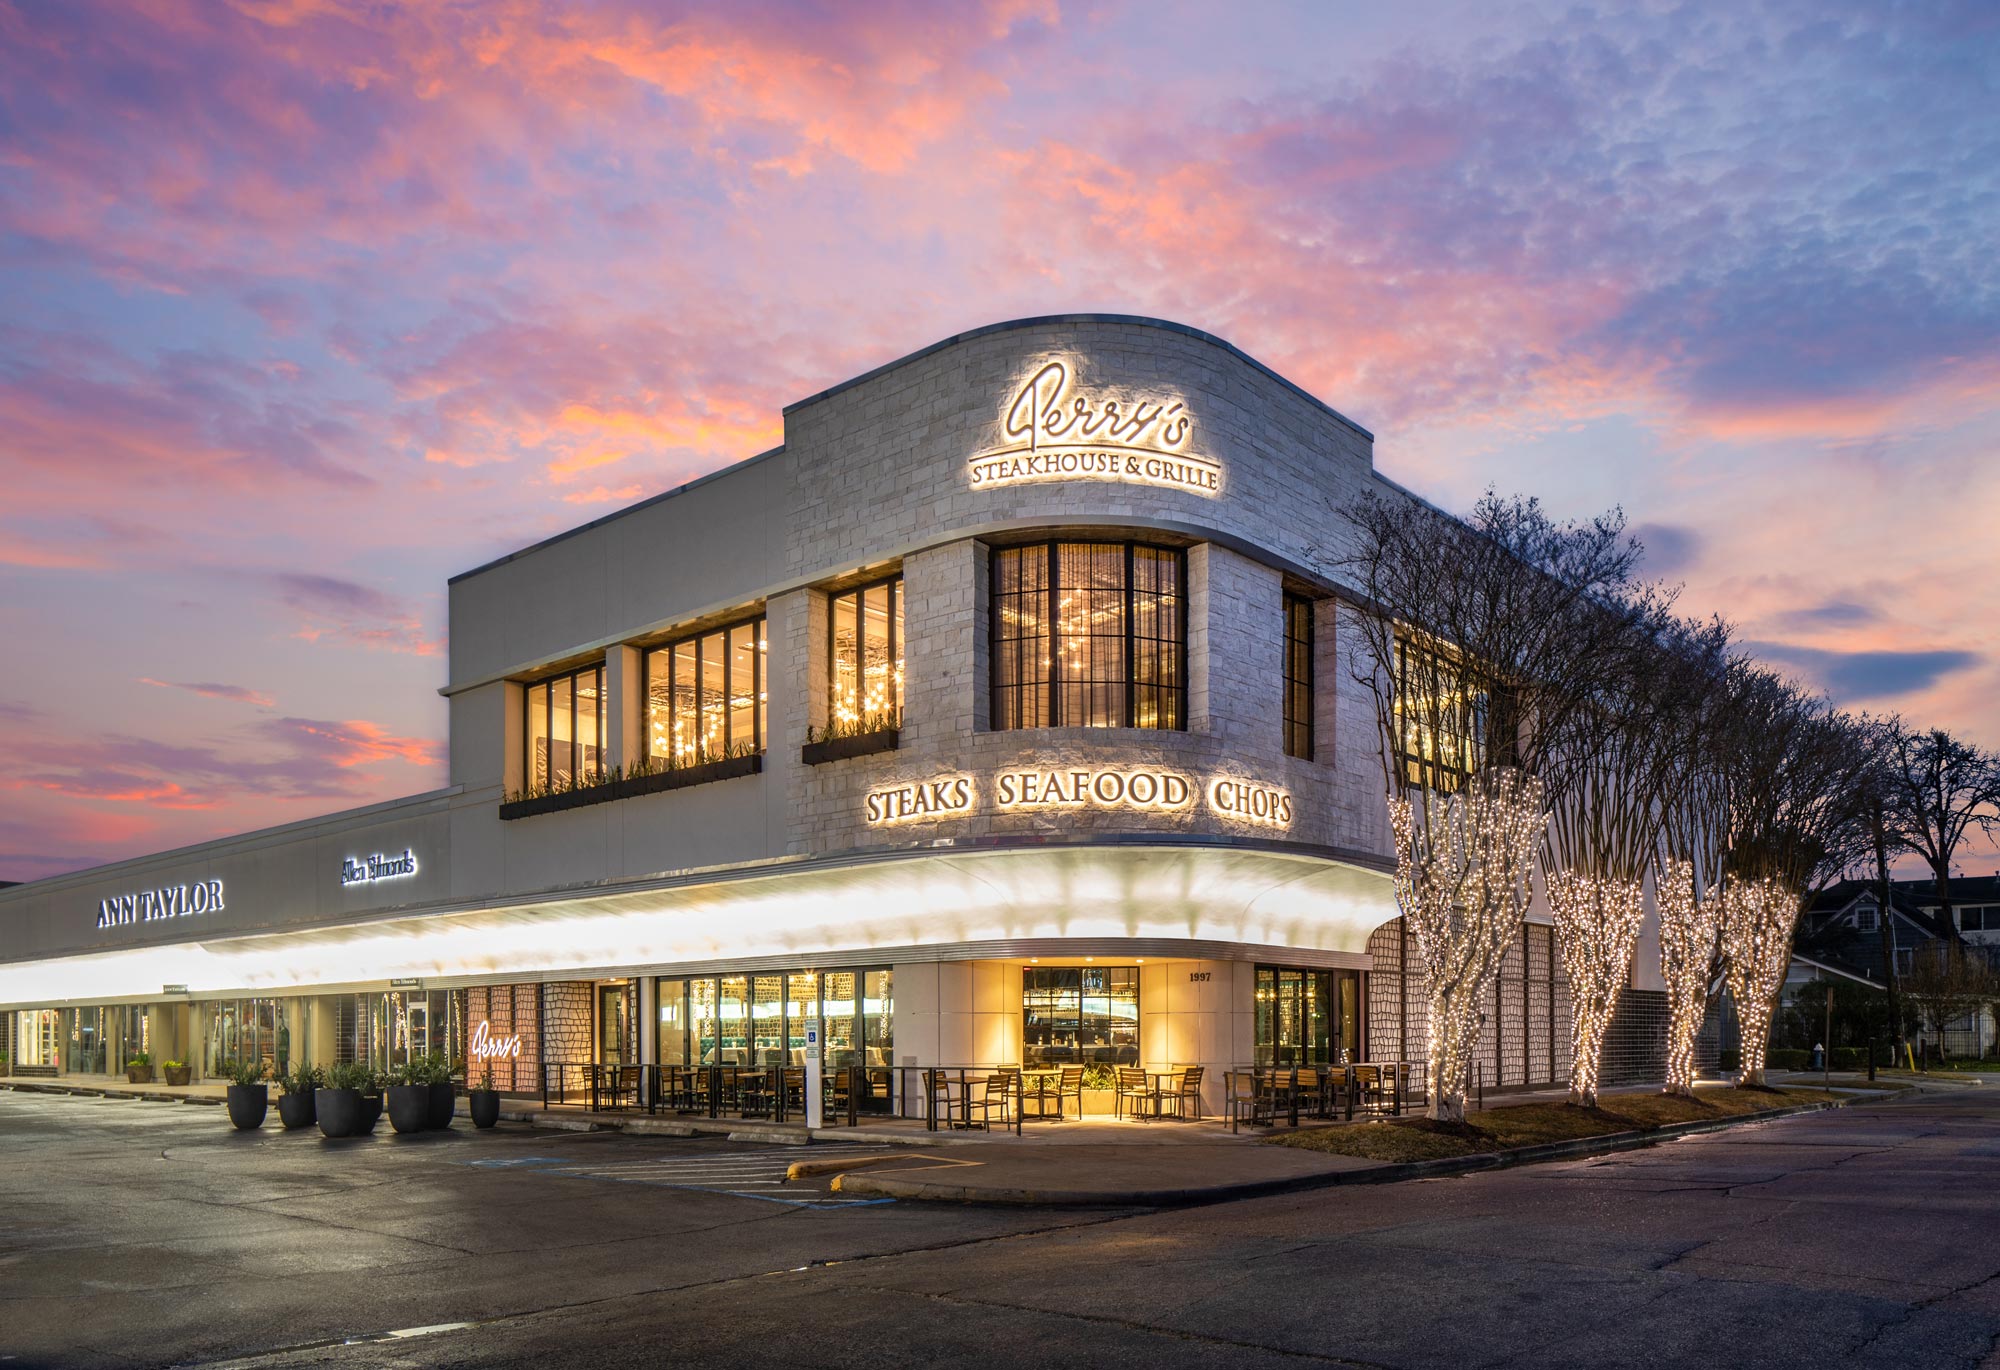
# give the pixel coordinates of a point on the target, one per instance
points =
(888, 1187)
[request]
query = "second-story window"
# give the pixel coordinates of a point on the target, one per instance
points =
(1441, 717)
(865, 657)
(1089, 635)
(1298, 676)
(705, 696)
(564, 727)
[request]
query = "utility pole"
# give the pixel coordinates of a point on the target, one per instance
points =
(1888, 937)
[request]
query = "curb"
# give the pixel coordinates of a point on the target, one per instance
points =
(888, 1187)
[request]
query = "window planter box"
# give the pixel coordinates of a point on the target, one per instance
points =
(635, 785)
(860, 744)
(729, 768)
(556, 803)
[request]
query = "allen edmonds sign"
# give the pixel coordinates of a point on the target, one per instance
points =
(1060, 432)
(150, 906)
(377, 867)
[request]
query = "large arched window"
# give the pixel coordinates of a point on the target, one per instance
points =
(1089, 635)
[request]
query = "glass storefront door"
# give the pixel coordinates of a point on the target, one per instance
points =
(761, 1020)
(1307, 1017)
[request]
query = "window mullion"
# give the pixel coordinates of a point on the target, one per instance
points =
(1131, 661)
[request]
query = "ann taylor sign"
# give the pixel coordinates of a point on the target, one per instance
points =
(151, 906)
(1056, 430)
(366, 871)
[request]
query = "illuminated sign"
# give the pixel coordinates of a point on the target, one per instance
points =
(1251, 802)
(1091, 789)
(486, 1045)
(150, 906)
(1104, 788)
(377, 867)
(943, 798)
(1057, 431)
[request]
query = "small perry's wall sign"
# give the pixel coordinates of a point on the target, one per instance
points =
(1147, 789)
(367, 870)
(1056, 430)
(486, 1045)
(151, 906)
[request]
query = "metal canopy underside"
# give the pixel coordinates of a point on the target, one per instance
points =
(1014, 896)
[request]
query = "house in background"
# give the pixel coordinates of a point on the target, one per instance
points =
(1841, 936)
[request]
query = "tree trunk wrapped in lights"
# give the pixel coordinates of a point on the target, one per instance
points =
(1798, 777)
(1597, 928)
(1481, 639)
(1757, 919)
(1463, 866)
(1689, 925)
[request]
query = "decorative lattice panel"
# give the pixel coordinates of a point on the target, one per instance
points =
(1525, 1038)
(1635, 1041)
(568, 1022)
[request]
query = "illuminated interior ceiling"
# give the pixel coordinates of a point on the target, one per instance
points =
(1216, 895)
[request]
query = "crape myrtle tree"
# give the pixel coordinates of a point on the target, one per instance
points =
(1797, 774)
(1482, 639)
(1693, 833)
(1609, 776)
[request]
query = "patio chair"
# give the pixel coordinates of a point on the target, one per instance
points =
(1070, 1086)
(1187, 1094)
(993, 1095)
(1368, 1091)
(1133, 1085)
(1247, 1099)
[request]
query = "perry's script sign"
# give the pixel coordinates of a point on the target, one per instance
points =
(377, 867)
(1058, 431)
(150, 906)
(488, 1046)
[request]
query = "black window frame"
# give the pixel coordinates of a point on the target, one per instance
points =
(545, 683)
(1002, 709)
(759, 683)
(1298, 676)
(893, 584)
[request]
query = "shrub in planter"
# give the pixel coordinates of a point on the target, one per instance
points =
(372, 1095)
(1787, 1058)
(444, 1094)
(139, 1069)
(177, 1072)
(409, 1099)
(339, 1106)
(298, 1106)
(1729, 1058)
(249, 1096)
(483, 1101)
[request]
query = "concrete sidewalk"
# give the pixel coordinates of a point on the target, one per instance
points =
(1120, 1174)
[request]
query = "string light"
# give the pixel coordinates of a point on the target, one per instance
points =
(1463, 863)
(1597, 924)
(1688, 928)
(1757, 917)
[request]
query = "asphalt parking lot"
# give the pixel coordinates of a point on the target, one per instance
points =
(149, 1234)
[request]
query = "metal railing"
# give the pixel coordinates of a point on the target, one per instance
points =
(776, 1093)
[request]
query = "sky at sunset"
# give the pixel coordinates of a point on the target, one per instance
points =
(308, 305)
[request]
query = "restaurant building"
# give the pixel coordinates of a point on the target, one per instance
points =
(1003, 714)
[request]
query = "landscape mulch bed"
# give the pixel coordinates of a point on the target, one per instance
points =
(1503, 1129)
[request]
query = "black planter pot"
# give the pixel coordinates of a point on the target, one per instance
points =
(444, 1102)
(297, 1110)
(409, 1107)
(371, 1110)
(485, 1106)
(248, 1105)
(339, 1112)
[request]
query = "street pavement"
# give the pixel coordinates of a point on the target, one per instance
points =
(148, 1234)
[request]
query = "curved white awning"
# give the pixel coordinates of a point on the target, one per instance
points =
(1007, 896)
